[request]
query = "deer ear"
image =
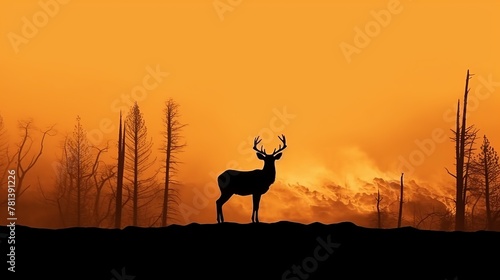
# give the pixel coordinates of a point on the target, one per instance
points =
(278, 156)
(260, 156)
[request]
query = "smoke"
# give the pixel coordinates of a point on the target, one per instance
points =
(344, 191)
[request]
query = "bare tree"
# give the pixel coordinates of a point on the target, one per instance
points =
(61, 195)
(428, 219)
(463, 136)
(400, 215)
(486, 166)
(138, 161)
(378, 199)
(101, 175)
(119, 180)
(80, 194)
(81, 167)
(475, 194)
(25, 158)
(172, 147)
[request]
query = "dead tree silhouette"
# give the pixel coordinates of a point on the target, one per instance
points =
(255, 182)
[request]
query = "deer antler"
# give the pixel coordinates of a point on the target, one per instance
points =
(256, 141)
(283, 140)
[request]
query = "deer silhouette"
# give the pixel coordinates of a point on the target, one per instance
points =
(255, 182)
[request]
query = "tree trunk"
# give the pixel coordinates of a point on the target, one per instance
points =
(487, 188)
(137, 166)
(472, 219)
(136, 181)
(119, 180)
(78, 189)
(167, 170)
(460, 134)
(401, 202)
(379, 218)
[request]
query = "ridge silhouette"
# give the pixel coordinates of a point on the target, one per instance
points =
(280, 250)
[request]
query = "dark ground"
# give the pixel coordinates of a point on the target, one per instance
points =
(281, 250)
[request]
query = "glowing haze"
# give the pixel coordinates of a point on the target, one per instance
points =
(363, 90)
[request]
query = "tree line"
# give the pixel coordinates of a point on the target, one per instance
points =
(89, 191)
(477, 185)
(477, 174)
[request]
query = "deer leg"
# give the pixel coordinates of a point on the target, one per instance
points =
(222, 199)
(255, 212)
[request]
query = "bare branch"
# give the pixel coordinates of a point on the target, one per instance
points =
(453, 175)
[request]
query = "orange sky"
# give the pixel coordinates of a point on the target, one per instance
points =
(356, 103)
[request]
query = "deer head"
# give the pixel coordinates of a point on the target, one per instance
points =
(269, 158)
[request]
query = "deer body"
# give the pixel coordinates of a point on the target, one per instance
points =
(255, 182)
